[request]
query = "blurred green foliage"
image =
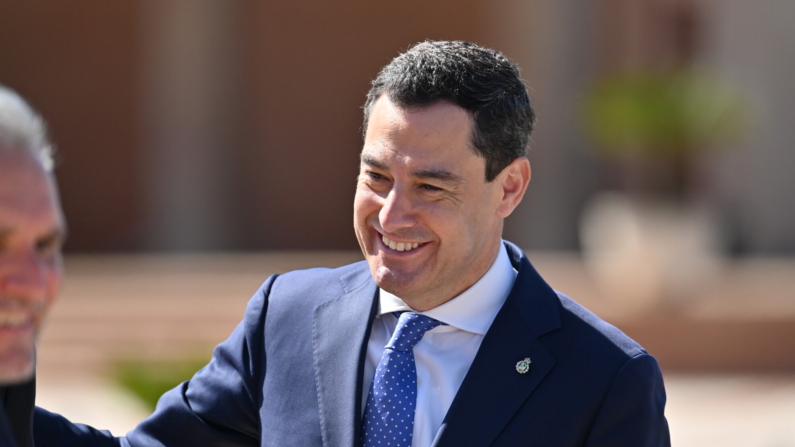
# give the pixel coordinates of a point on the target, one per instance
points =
(150, 379)
(664, 116)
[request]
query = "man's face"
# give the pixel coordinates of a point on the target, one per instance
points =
(426, 219)
(31, 233)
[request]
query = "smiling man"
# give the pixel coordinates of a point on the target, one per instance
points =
(427, 217)
(31, 232)
(445, 335)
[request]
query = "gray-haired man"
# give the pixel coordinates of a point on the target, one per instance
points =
(31, 234)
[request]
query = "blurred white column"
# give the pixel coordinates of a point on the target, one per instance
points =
(752, 47)
(191, 101)
(552, 42)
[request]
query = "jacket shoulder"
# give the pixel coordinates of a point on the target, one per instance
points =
(594, 333)
(306, 289)
(322, 280)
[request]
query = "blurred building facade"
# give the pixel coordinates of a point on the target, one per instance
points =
(216, 125)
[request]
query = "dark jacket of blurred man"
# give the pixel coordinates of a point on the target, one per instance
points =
(31, 232)
(445, 335)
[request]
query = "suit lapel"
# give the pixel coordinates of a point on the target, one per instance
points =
(340, 333)
(493, 391)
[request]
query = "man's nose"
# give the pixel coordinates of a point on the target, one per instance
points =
(398, 212)
(23, 276)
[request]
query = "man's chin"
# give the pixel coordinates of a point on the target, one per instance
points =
(16, 368)
(395, 281)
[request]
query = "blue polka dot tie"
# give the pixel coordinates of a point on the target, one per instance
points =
(389, 414)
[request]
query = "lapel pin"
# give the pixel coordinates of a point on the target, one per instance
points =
(523, 366)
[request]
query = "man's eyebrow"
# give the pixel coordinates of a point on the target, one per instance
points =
(59, 232)
(434, 174)
(368, 160)
(438, 174)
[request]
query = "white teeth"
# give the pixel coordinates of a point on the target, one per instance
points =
(399, 246)
(13, 319)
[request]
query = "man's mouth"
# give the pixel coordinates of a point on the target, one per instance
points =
(400, 246)
(14, 319)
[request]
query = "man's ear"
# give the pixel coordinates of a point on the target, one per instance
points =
(513, 181)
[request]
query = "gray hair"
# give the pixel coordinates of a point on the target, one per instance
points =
(22, 128)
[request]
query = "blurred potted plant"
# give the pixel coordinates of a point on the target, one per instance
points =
(648, 239)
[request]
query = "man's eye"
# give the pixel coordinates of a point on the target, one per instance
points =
(48, 246)
(430, 188)
(374, 176)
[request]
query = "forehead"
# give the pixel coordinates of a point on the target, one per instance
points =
(438, 132)
(28, 198)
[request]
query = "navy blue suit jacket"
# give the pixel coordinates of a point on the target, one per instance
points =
(16, 414)
(291, 375)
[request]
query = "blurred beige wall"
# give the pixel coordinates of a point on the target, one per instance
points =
(207, 124)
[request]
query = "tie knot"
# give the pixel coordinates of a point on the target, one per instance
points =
(410, 329)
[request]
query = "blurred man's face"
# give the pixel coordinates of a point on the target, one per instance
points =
(31, 234)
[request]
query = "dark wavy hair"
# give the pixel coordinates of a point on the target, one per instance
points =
(480, 80)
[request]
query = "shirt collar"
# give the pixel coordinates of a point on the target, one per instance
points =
(475, 308)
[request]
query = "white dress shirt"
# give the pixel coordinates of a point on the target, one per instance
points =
(445, 353)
